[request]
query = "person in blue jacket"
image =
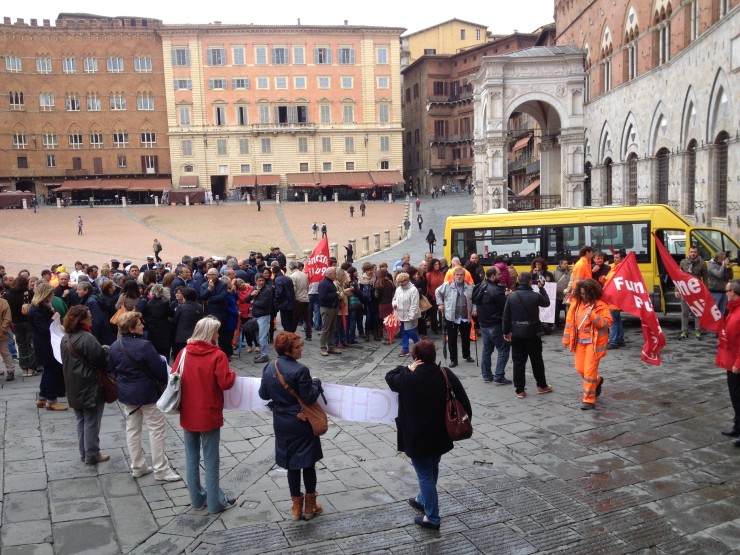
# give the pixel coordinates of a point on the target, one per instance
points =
(213, 293)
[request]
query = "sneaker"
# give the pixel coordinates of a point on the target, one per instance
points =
(261, 359)
(230, 503)
(171, 476)
(487, 380)
(588, 406)
(503, 381)
(546, 389)
(403, 354)
(142, 472)
(612, 346)
(521, 394)
(420, 521)
(469, 359)
(683, 335)
(598, 387)
(698, 335)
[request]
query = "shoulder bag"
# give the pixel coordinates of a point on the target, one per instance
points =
(26, 306)
(171, 399)
(424, 303)
(117, 315)
(457, 420)
(313, 413)
(107, 381)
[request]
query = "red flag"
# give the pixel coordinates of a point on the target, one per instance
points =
(318, 262)
(694, 292)
(626, 289)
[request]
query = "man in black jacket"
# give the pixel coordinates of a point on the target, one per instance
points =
(489, 301)
(214, 292)
(284, 298)
(522, 327)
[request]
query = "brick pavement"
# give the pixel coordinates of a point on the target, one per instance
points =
(647, 472)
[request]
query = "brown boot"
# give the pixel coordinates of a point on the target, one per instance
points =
(54, 406)
(312, 508)
(297, 510)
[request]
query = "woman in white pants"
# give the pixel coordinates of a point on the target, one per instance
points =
(139, 369)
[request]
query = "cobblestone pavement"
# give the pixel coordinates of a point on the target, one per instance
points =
(647, 472)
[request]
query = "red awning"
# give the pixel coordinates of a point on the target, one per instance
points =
(189, 181)
(311, 179)
(268, 179)
(521, 143)
(529, 188)
(357, 180)
(149, 184)
(80, 185)
(387, 178)
(244, 181)
(329, 179)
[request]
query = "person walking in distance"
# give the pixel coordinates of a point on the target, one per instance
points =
(351, 211)
(79, 225)
(315, 230)
(362, 209)
(419, 220)
(157, 248)
(431, 240)
(522, 327)
(323, 230)
(259, 205)
(418, 205)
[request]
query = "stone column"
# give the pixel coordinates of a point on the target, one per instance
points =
(334, 250)
(377, 240)
(306, 254)
(386, 237)
(59, 202)
(277, 196)
(550, 178)
(25, 204)
(365, 245)
(156, 201)
(572, 147)
(336, 197)
(249, 198)
(290, 257)
(305, 197)
(123, 200)
(490, 163)
(400, 232)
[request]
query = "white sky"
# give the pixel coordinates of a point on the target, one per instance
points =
(501, 16)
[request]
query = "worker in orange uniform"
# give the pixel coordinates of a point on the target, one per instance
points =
(581, 270)
(587, 334)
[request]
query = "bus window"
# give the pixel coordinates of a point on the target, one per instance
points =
(712, 241)
(564, 242)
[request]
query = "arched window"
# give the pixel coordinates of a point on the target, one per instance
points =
(661, 175)
(608, 181)
(632, 179)
(690, 177)
(720, 175)
(587, 185)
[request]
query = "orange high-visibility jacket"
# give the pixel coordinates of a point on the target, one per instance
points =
(582, 270)
(608, 278)
(583, 326)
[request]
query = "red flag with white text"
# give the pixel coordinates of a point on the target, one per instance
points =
(626, 289)
(694, 292)
(318, 262)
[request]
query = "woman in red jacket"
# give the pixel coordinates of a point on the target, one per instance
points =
(205, 377)
(728, 354)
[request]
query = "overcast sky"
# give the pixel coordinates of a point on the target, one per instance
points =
(501, 16)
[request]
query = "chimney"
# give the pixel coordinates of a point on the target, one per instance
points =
(34, 23)
(47, 23)
(6, 21)
(299, 21)
(346, 21)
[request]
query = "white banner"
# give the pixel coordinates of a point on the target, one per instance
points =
(358, 404)
(547, 314)
(56, 338)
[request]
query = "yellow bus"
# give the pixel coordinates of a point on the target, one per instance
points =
(559, 234)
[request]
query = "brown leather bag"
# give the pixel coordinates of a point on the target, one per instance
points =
(457, 420)
(313, 413)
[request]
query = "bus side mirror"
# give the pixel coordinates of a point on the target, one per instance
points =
(444, 242)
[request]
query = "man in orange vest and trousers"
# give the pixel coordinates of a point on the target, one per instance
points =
(586, 335)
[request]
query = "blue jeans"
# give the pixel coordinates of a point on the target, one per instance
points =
(88, 431)
(493, 337)
(427, 472)
(11, 344)
(616, 332)
(264, 331)
(212, 494)
(313, 300)
(407, 334)
(720, 299)
(352, 326)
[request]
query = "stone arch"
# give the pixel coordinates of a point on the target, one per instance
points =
(528, 103)
(630, 137)
(689, 126)
(719, 115)
(659, 130)
(605, 144)
(607, 42)
(663, 10)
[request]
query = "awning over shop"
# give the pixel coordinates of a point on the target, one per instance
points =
(521, 143)
(529, 188)
(329, 179)
(79, 185)
(312, 179)
(149, 184)
(244, 181)
(268, 179)
(189, 181)
(387, 178)
(357, 180)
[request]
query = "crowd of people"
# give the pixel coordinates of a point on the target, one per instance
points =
(133, 320)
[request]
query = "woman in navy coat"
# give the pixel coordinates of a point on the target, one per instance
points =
(296, 448)
(139, 369)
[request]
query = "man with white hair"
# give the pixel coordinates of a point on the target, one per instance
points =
(454, 264)
(454, 300)
(301, 307)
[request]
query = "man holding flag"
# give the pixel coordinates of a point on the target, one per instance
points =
(695, 266)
